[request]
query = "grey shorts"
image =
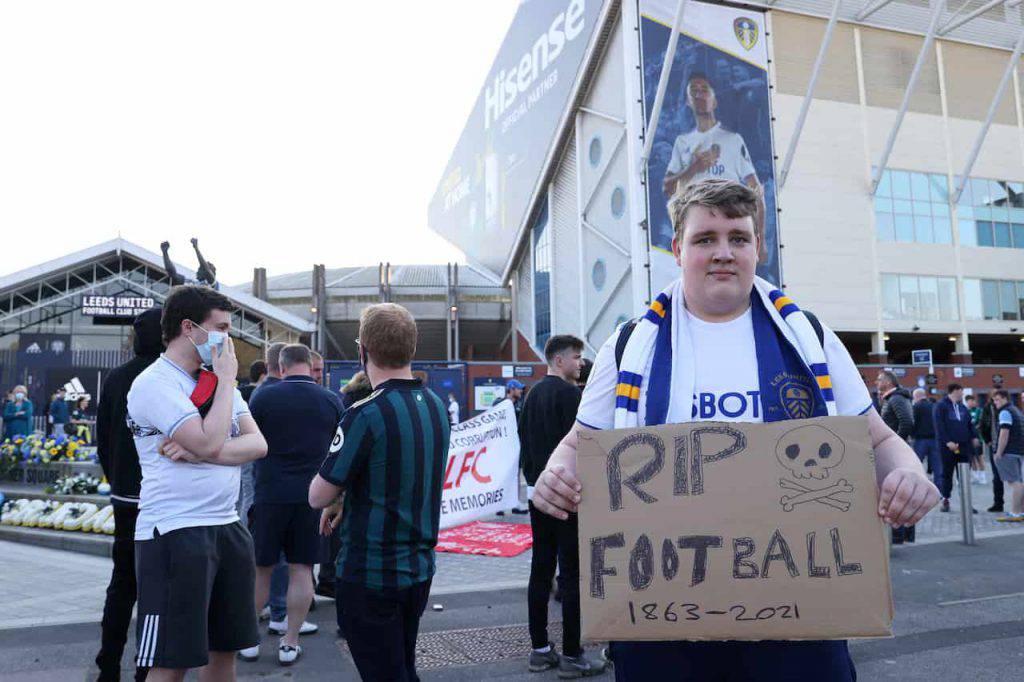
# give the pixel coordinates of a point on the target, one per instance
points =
(195, 595)
(1010, 468)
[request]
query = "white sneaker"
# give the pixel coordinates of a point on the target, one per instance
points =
(250, 654)
(265, 614)
(287, 654)
(281, 627)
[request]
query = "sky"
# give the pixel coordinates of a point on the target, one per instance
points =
(279, 134)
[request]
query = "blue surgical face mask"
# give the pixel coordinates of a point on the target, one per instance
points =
(214, 339)
(19, 396)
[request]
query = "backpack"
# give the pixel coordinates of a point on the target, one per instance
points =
(628, 327)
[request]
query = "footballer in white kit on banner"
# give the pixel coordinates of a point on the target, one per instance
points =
(715, 121)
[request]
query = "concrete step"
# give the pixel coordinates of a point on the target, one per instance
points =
(71, 541)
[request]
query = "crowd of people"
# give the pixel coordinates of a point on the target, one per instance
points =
(953, 430)
(217, 493)
(233, 503)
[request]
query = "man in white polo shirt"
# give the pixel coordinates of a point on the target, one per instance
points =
(194, 557)
(720, 345)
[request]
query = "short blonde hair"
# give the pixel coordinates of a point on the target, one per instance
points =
(732, 199)
(388, 333)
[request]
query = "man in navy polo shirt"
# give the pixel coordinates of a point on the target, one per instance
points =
(299, 419)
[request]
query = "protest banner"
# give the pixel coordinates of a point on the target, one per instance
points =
(482, 473)
(708, 530)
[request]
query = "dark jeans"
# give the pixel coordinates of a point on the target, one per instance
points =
(117, 609)
(329, 548)
(769, 661)
(949, 462)
(927, 450)
(381, 628)
(997, 480)
(555, 544)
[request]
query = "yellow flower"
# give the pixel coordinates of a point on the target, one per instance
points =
(54, 451)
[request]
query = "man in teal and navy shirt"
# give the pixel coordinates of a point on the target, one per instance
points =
(388, 459)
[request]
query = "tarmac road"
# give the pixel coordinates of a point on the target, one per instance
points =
(960, 616)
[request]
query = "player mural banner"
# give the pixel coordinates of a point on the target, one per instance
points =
(713, 530)
(716, 118)
(482, 473)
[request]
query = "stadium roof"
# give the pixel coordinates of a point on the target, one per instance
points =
(341, 281)
(243, 299)
(994, 23)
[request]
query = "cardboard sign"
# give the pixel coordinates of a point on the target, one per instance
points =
(711, 530)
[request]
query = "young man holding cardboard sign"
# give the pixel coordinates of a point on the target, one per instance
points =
(736, 349)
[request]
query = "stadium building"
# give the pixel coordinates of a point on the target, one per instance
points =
(887, 137)
(66, 322)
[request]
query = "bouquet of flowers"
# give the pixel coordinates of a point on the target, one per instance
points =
(79, 484)
(39, 450)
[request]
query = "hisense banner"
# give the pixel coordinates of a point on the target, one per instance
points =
(482, 473)
(716, 118)
(483, 195)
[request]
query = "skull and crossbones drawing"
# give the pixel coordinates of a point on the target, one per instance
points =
(811, 452)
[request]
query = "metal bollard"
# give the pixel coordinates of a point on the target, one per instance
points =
(966, 506)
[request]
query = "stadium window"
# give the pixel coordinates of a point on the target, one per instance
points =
(912, 297)
(904, 228)
(948, 303)
(1002, 234)
(542, 276)
(996, 208)
(929, 288)
(1008, 301)
(886, 228)
(972, 299)
(968, 233)
(990, 299)
(900, 184)
(1018, 236)
(1020, 299)
(912, 207)
(985, 233)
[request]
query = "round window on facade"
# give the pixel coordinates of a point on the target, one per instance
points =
(599, 274)
(595, 151)
(618, 202)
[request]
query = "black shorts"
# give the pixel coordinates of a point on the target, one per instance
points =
(291, 528)
(195, 595)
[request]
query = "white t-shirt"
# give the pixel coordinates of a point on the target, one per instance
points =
(726, 385)
(176, 494)
(733, 158)
(453, 412)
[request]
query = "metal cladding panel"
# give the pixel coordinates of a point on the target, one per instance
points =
(565, 225)
(486, 190)
(972, 74)
(888, 61)
(998, 27)
(797, 39)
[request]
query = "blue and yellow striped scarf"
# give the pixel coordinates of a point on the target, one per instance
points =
(792, 370)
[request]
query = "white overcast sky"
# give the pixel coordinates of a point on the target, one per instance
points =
(280, 134)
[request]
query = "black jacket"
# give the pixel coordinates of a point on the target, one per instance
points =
(549, 414)
(988, 425)
(115, 446)
(897, 412)
(924, 426)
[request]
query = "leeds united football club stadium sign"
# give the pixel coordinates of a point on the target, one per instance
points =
(116, 306)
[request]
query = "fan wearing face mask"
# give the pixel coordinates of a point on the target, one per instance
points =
(193, 557)
(18, 414)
